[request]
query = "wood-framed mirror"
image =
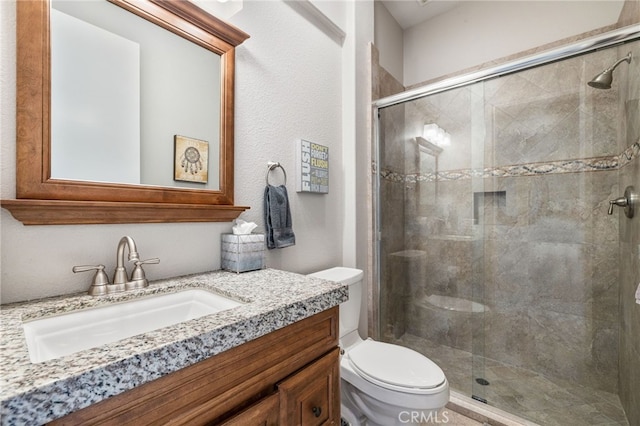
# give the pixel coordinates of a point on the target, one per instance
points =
(41, 199)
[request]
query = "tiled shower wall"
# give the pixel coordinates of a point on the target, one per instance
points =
(514, 217)
(539, 251)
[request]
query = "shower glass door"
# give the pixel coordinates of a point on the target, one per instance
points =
(433, 202)
(498, 258)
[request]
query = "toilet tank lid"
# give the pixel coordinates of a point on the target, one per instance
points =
(340, 274)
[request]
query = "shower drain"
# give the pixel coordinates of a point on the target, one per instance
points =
(481, 381)
(479, 398)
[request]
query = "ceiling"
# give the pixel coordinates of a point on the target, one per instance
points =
(411, 12)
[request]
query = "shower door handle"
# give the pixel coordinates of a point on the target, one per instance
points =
(628, 201)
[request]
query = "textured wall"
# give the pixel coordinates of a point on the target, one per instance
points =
(288, 86)
(389, 42)
(479, 32)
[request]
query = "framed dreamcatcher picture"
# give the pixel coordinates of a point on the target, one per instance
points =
(191, 160)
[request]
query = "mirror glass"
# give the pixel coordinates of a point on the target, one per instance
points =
(178, 106)
(130, 101)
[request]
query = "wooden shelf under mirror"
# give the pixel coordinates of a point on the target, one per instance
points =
(61, 212)
(41, 199)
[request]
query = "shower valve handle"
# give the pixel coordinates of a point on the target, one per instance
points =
(628, 201)
(620, 202)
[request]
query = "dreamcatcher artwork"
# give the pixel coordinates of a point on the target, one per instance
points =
(191, 162)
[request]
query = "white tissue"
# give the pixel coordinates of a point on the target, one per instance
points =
(638, 295)
(243, 228)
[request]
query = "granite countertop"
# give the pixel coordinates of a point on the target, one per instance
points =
(38, 393)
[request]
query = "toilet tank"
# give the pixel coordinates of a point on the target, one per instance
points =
(349, 310)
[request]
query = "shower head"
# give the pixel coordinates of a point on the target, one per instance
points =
(604, 79)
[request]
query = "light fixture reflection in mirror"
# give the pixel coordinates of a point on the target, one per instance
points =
(436, 135)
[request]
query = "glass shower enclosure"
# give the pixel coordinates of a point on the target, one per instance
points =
(496, 257)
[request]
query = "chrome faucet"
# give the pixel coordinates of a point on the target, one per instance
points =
(121, 281)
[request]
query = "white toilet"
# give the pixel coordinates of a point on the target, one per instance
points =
(381, 383)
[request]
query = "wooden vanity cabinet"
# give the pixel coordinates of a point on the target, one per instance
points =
(311, 397)
(262, 413)
(287, 377)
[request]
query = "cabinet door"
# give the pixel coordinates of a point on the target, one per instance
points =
(263, 413)
(312, 396)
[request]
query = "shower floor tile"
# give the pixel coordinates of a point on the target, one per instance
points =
(525, 393)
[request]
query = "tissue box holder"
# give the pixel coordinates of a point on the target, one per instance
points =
(242, 253)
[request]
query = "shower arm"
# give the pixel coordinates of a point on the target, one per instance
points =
(618, 62)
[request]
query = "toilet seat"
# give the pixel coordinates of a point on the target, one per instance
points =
(395, 367)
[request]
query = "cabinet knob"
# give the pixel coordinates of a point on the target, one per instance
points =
(317, 411)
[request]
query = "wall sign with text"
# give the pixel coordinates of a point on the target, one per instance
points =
(312, 167)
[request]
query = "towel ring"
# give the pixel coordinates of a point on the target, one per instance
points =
(273, 166)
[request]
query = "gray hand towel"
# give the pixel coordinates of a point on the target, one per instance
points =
(277, 217)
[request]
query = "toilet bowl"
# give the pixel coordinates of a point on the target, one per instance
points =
(381, 383)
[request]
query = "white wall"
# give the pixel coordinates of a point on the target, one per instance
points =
(357, 145)
(288, 86)
(389, 41)
(480, 31)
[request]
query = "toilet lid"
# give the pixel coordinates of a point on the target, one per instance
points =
(395, 366)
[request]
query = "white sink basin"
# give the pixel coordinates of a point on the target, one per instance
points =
(64, 334)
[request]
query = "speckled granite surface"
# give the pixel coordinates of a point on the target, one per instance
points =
(36, 393)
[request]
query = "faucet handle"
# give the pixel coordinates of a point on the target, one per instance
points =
(138, 278)
(100, 279)
(628, 201)
(620, 202)
(138, 272)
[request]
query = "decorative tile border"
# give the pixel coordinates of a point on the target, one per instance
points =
(531, 169)
(391, 175)
(629, 154)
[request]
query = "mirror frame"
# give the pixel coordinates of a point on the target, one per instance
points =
(43, 200)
